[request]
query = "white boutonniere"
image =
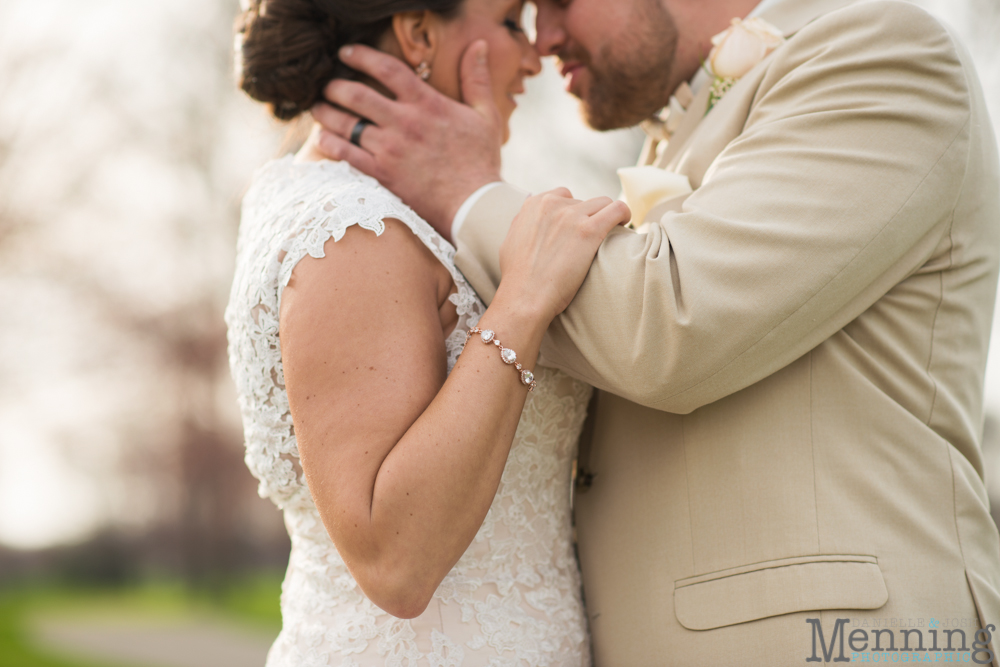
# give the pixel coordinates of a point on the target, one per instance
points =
(737, 50)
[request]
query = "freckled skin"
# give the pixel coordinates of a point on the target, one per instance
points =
(371, 507)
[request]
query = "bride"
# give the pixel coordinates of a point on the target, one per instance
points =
(426, 494)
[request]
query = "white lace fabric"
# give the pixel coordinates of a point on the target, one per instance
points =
(513, 599)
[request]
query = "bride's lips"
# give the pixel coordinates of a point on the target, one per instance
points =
(513, 93)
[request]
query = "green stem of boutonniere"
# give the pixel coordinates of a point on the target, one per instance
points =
(720, 86)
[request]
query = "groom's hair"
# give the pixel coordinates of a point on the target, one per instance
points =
(286, 50)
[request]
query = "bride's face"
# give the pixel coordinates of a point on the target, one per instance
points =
(512, 57)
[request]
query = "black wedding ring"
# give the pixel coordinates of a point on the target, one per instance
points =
(358, 129)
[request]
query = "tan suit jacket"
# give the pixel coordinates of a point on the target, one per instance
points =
(791, 359)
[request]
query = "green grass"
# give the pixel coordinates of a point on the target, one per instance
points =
(254, 600)
(16, 648)
(251, 600)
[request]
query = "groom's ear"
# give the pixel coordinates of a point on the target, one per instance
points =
(416, 34)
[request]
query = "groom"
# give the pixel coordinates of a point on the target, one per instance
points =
(786, 463)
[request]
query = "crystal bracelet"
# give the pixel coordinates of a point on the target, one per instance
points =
(507, 355)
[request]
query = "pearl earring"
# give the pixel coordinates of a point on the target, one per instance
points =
(424, 70)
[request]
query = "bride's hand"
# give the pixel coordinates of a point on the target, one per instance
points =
(550, 247)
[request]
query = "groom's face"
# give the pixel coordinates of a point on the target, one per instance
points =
(617, 56)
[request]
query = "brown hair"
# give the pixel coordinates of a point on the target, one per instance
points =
(287, 49)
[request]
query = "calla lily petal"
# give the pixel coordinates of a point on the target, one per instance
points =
(645, 187)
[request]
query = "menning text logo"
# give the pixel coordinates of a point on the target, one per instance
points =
(916, 644)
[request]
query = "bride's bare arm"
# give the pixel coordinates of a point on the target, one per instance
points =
(402, 459)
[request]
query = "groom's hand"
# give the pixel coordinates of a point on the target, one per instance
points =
(430, 150)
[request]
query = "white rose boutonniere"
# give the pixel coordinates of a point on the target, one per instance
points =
(737, 50)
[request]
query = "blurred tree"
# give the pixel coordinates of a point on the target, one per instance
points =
(124, 148)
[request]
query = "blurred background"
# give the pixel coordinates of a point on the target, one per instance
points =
(130, 530)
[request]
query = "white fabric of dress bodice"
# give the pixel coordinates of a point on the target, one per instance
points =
(513, 599)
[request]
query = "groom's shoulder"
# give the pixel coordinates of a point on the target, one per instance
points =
(868, 29)
(893, 19)
(886, 49)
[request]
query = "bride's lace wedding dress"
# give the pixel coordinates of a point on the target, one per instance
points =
(513, 599)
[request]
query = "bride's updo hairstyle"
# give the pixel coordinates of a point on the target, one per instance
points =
(287, 49)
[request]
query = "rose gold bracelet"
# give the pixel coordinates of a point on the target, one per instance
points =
(507, 355)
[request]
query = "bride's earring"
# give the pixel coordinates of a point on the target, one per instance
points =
(424, 70)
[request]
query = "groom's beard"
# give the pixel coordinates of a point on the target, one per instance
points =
(631, 79)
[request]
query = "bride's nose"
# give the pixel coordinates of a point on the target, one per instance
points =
(531, 62)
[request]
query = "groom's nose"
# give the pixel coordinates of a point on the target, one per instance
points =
(550, 27)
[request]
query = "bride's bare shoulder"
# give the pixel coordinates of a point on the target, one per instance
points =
(364, 270)
(362, 345)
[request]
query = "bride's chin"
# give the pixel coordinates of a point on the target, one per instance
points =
(506, 127)
(506, 130)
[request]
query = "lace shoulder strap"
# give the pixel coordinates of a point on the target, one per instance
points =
(315, 201)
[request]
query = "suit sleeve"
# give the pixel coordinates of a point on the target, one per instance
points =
(841, 184)
(478, 241)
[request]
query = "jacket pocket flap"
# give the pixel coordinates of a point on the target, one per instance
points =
(773, 588)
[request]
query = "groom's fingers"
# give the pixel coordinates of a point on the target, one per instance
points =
(389, 70)
(334, 120)
(361, 100)
(337, 148)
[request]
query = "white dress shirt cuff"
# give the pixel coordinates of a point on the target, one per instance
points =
(463, 212)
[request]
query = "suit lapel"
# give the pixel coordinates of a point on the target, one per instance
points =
(724, 123)
(695, 155)
(692, 118)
